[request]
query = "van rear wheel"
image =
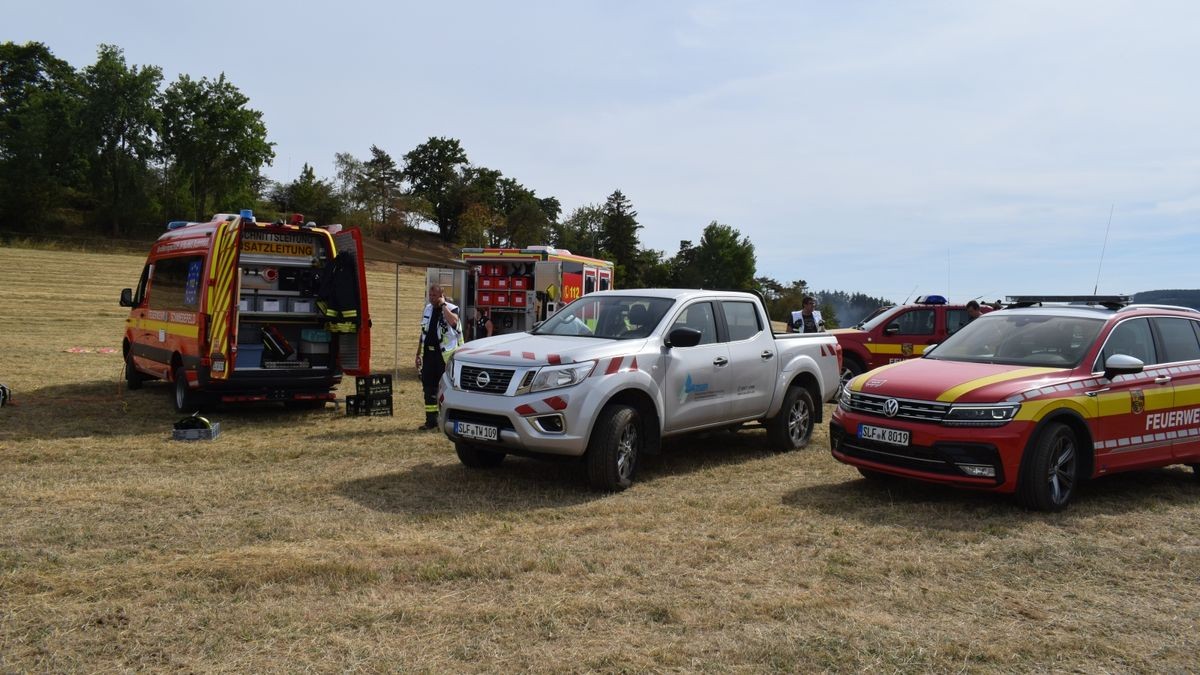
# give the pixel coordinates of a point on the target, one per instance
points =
(186, 399)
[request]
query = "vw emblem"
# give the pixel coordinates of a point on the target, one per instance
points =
(891, 407)
(482, 380)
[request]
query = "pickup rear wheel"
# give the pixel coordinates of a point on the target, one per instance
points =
(793, 426)
(614, 448)
(476, 457)
(1050, 470)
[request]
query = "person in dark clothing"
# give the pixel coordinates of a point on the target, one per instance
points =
(483, 324)
(439, 339)
(973, 311)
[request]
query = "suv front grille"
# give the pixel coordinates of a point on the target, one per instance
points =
(920, 411)
(496, 380)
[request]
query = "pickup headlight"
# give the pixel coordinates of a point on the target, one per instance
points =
(993, 415)
(556, 377)
(450, 371)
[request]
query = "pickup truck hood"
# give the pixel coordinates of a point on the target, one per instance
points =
(955, 381)
(523, 349)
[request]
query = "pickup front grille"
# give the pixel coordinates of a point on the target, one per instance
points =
(920, 411)
(486, 380)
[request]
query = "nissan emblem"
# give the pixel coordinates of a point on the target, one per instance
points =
(482, 380)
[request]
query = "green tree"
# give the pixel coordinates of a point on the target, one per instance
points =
(619, 238)
(122, 122)
(41, 158)
(435, 171)
(315, 199)
(526, 224)
(580, 231)
(214, 144)
(725, 258)
(380, 187)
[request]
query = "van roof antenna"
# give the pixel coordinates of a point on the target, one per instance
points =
(1102, 248)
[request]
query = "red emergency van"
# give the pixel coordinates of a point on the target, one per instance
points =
(233, 310)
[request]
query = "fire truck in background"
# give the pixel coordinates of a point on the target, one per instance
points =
(518, 287)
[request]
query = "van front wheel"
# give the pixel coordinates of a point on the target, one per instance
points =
(186, 400)
(133, 377)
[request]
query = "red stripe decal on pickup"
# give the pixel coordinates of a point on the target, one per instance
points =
(525, 409)
(633, 366)
(614, 365)
(528, 355)
(554, 359)
(503, 353)
(556, 403)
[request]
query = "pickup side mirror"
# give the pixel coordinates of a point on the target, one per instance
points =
(1122, 364)
(683, 337)
(891, 329)
(127, 297)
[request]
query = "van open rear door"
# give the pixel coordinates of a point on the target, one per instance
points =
(354, 351)
(222, 304)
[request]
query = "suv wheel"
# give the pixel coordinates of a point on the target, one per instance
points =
(1050, 470)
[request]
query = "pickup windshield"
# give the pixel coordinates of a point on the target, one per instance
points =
(612, 317)
(1022, 340)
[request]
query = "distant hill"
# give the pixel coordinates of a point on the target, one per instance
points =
(1185, 298)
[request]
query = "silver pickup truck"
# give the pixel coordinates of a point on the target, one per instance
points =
(613, 373)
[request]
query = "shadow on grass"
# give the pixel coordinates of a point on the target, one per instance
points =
(925, 506)
(108, 408)
(523, 484)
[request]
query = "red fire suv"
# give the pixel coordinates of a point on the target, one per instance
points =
(1033, 399)
(899, 332)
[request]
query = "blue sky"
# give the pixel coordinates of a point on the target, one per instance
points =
(967, 148)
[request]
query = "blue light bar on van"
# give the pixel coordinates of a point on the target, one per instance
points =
(176, 224)
(931, 300)
(247, 214)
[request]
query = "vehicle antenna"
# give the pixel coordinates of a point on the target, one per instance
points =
(914, 290)
(1096, 288)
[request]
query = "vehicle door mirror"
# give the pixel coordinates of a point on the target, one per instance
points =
(891, 329)
(683, 337)
(1122, 364)
(126, 297)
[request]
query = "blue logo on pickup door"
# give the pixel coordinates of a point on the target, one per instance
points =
(690, 388)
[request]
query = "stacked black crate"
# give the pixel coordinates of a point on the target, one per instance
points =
(374, 397)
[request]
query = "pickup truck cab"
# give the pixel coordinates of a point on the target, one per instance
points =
(613, 373)
(894, 334)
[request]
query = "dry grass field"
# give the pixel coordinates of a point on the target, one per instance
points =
(316, 542)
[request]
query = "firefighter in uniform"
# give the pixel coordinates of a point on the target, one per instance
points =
(439, 339)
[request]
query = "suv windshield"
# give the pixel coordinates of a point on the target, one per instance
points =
(613, 317)
(875, 318)
(1022, 339)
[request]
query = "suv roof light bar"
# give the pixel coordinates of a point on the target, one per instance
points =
(1108, 301)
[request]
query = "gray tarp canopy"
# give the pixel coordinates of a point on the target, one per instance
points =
(387, 252)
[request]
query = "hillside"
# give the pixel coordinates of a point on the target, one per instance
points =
(1184, 298)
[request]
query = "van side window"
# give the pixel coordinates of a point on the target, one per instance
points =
(741, 318)
(175, 283)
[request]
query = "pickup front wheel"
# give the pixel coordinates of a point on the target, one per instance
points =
(476, 457)
(614, 448)
(793, 426)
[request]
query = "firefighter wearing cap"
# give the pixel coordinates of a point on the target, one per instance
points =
(439, 339)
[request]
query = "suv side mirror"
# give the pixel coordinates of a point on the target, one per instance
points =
(891, 329)
(127, 297)
(683, 337)
(1122, 364)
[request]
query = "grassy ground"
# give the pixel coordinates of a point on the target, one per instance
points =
(312, 541)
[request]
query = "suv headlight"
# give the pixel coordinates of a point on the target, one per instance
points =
(993, 415)
(844, 397)
(556, 377)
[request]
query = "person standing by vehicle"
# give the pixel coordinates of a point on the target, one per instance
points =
(439, 339)
(808, 319)
(483, 324)
(973, 311)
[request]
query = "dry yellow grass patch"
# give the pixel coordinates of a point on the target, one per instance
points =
(312, 541)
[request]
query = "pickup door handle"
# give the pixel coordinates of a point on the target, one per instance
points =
(767, 353)
(1162, 379)
(720, 361)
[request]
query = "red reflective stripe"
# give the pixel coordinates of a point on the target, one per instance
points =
(528, 355)
(614, 365)
(556, 402)
(503, 353)
(554, 359)
(525, 409)
(633, 366)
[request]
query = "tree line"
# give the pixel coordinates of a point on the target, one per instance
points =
(108, 148)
